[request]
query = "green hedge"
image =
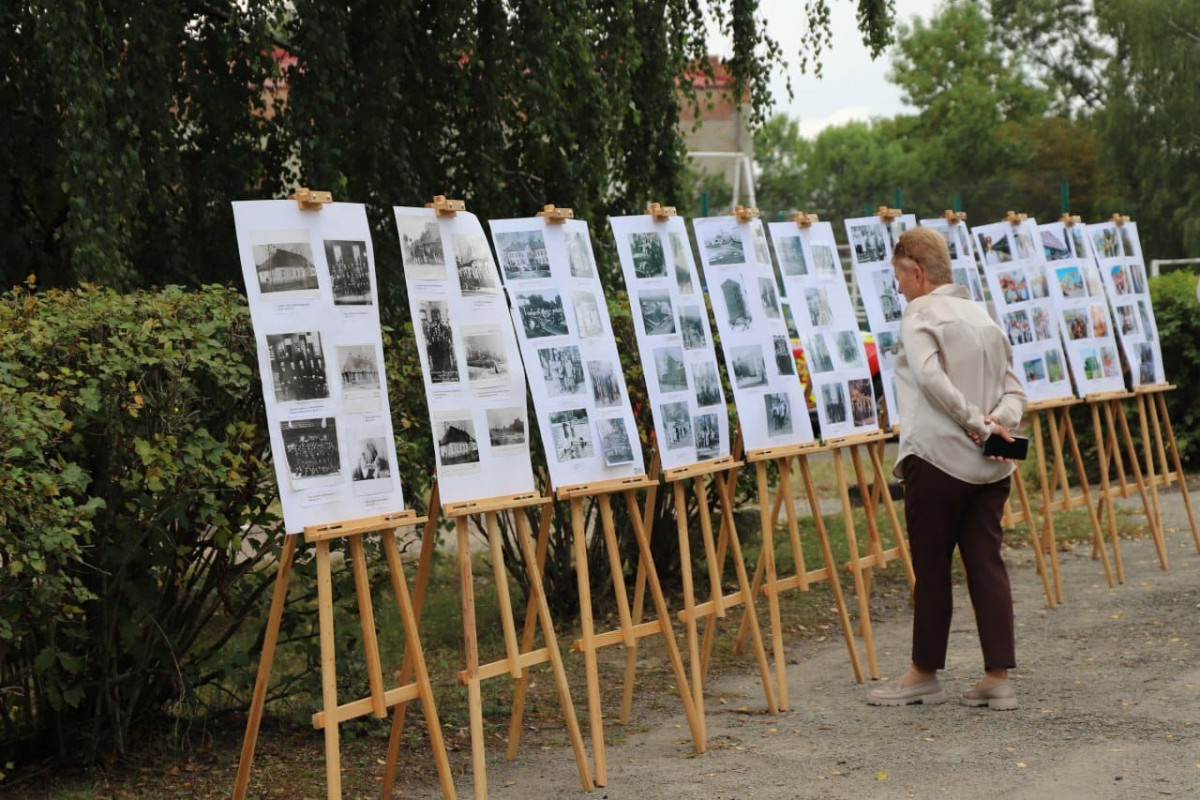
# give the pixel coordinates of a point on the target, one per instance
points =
(1177, 312)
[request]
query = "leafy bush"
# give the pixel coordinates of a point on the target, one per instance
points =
(135, 456)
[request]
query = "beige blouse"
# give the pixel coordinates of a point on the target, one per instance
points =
(954, 368)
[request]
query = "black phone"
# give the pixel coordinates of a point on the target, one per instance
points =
(1017, 449)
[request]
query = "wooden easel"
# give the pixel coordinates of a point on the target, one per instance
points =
(1107, 405)
(720, 470)
(1152, 403)
(876, 557)
(516, 659)
(631, 628)
(766, 571)
(333, 713)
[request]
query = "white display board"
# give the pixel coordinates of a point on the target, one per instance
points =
(1118, 253)
(741, 285)
(1014, 265)
(474, 379)
(828, 327)
(310, 283)
(871, 243)
(679, 360)
(566, 338)
(963, 265)
(1081, 308)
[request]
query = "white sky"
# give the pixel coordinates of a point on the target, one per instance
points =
(853, 86)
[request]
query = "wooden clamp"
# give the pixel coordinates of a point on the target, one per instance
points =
(1119, 220)
(1069, 220)
(556, 216)
(308, 200)
(660, 213)
(744, 214)
(803, 220)
(444, 207)
(887, 214)
(954, 217)
(1013, 218)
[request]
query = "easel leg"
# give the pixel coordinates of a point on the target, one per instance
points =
(333, 758)
(591, 669)
(1155, 508)
(876, 453)
(415, 655)
(1033, 539)
(466, 586)
(1086, 491)
(693, 713)
(1104, 448)
(1140, 482)
(860, 582)
(1046, 541)
(689, 604)
(556, 663)
(527, 635)
(366, 616)
(1161, 403)
(768, 558)
(265, 661)
(644, 516)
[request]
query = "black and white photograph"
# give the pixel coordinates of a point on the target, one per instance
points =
(849, 348)
(683, 274)
(506, 427)
(522, 255)
(825, 260)
(707, 383)
(458, 446)
(421, 248)
(708, 436)
(833, 400)
(572, 434)
(349, 272)
(889, 298)
(768, 295)
(894, 229)
(1147, 325)
(784, 362)
(816, 299)
(1078, 242)
(724, 246)
(670, 369)
(579, 255)
(1016, 325)
(862, 402)
(817, 354)
(649, 260)
(437, 332)
(676, 425)
(779, 414)
(614, 441)
(371, 469)
(562, 370)
(1024, 243)
(887, 347)
(606, 385)
(486, 355)
(737, 307)
(868, 243)
(1137, 282)
(473, 260)
(1127, 242)
(312, 451)
(358, 366)
(658, 317)
(1038, 285)
(284, 265)
(298, 366)
(790, 250)
(588, 321)
(541, 313)
(758, 236)
(749, 366)
(691, 325)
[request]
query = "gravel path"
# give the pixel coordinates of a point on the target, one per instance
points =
(1110, 708)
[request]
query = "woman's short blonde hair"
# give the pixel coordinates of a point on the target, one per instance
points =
(928, 248)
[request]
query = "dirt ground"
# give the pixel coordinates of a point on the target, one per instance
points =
(1108, 682)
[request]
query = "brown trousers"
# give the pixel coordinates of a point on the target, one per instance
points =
(943, 512)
